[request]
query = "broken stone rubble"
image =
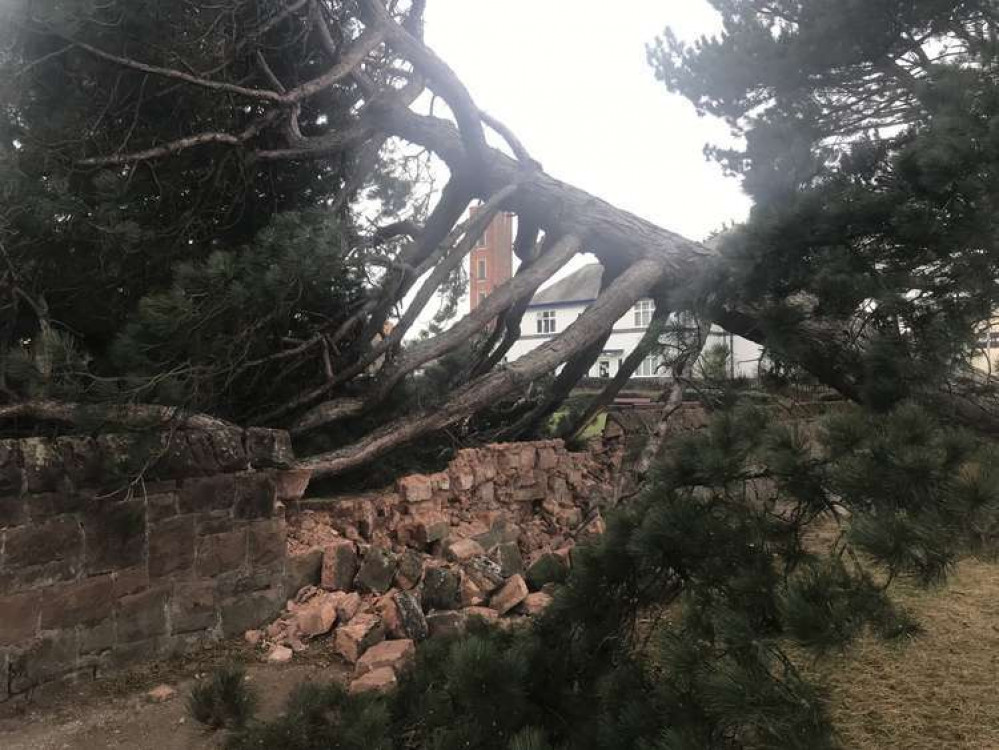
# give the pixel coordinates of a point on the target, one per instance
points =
(488, 538)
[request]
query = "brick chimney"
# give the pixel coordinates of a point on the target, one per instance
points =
(492, 258)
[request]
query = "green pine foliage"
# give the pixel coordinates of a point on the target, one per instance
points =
(871, 158)
(757, 543)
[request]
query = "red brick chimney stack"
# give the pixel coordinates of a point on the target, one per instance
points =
(492, 258)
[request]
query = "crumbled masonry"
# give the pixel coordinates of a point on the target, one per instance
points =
(489, 537)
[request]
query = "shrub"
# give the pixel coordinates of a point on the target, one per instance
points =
(225, 700)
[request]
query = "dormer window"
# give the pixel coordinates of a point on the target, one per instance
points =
(642, 311)
(546, 321)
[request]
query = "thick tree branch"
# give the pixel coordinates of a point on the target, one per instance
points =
(633, 284)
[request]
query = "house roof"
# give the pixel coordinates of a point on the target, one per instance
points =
(581, 286)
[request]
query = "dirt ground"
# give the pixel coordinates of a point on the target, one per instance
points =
(115, 714)
(940, 690)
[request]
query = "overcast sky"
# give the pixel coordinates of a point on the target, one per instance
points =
(571, 78)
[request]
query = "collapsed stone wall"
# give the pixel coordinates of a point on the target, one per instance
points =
(488, 537)
(126, 547)
(129, 547)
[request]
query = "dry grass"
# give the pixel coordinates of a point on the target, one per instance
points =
(938, 691)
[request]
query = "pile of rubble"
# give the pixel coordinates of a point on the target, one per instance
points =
(489, 537)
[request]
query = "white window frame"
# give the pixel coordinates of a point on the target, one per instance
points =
(649, 367)
(547, 322)
(642, 311)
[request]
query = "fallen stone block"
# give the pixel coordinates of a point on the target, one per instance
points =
(392, 654)
(415, 489)
(378, 680)
(377, 571)
(353, 639)
(485, 573)
(339, 565)
(471, 595)
(462, 550)
(409, 570)
(534, 604)
(486, 613)
(514, 591)
(279, 655)
(412, 622)
(441, 589)
(347, 605)
(317, 616)
(507, 556)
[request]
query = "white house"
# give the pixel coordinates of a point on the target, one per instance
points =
(555, 307)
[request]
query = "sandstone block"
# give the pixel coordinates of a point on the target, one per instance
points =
(205, 494)
(485, 573)
(356, 637)
(221, 553)
(528, 458)
(415, 489)
(486, 613)
(529, 494)
(534, 604)
(441, 589)
(347, 605)
(171, 546)
(412, 623)
(378, 680)
(19, 621)
(462, 550)
(304, 569)
(547, 459)
(142, 616)
(317, 616)
(192, 607)
(42, 544)
(513, 592)
(76, 603)
(507, 556)
(269, 448)
(471, 594)
(339, 565)
(279, 655)
(392, 654)
(255, 496)
(462, 477)
(245, 611)
(409, 571)
(289, 486)
(486, 492)
(377, 571)
(268, 543)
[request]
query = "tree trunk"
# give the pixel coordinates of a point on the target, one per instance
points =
(634, 283)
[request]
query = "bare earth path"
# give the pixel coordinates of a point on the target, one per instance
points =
(115, 714)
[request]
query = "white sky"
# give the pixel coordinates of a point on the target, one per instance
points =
(570, 77)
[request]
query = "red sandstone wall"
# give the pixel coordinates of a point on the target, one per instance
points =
(97, 570)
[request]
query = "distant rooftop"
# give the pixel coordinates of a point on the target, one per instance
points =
(580, 286)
